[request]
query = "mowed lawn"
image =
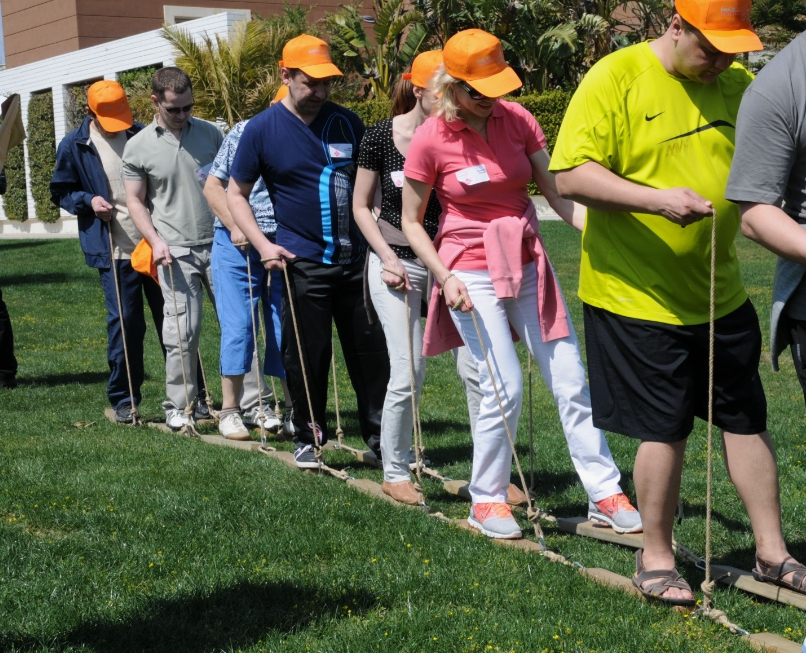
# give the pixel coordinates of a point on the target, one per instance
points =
(120, 539)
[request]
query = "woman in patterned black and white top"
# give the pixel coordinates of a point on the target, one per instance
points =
(392, 263)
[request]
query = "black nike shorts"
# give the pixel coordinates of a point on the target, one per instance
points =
(649, 380)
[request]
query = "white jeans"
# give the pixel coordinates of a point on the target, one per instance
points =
(561, 366)
(396, 422)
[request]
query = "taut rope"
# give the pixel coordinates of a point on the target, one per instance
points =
(532, 513)
(190, 428)
(339, 431)
(256, 361)
(417, 430)
(317, 445)
(135, 413)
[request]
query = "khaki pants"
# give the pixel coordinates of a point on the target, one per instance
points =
(192, 273)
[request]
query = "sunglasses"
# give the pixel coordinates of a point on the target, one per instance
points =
(175, 111)
(472, 92)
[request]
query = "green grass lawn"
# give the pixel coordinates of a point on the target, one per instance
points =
(120, 539)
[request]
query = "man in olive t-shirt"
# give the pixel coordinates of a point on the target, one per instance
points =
(646, 145)
(164, 169)
(768, 180)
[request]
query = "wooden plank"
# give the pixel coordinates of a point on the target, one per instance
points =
(245, 445)
(362, 455)
(285, 457)
(772, 643)
(581, 526)
(373, 489)
(744, 581)
(612, 579)
(109, 413)
(458, 488)
(161, 426)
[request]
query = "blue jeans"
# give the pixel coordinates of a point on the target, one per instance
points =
(231, 283)
(132, 287)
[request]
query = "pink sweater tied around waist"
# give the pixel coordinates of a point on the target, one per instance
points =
(502, 238)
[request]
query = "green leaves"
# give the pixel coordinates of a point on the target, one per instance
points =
(42, 154)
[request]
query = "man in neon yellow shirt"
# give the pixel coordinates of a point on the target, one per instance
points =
(646, 145)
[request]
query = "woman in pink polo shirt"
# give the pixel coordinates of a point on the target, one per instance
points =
(478, 153)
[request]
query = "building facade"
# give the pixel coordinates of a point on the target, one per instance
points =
(39, 29)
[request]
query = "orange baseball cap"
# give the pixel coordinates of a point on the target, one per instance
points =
(725, 23)
(424, 67)
(476, 57)
(311, 55)
(281, 93)
(107, 100)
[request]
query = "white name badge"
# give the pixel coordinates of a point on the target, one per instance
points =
(201, 173)
(397, 178)
(472, 176)
(340, 150)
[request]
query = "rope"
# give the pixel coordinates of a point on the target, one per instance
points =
(531, 425)
(261, 415)
(417, 430)
(708, 584)
(190, 427)
(134, 413)
(339, 431)
(263, 329)
(208, 399)
(532, 513)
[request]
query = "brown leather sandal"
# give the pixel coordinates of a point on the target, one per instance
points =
(767, 572)
(666, 578)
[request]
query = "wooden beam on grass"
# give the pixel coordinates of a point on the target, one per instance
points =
(744, 581)
(770, 643)
(581, 526)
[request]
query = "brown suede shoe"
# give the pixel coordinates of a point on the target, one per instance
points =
(403, 492)
(515, 496)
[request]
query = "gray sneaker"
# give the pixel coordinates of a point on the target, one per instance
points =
(271, 423)
(494, 520)
(616, 512)
(175, 417)
(305, 457)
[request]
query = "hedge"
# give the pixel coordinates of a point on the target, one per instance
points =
(15, 201)
(42, 154)
(549, 109)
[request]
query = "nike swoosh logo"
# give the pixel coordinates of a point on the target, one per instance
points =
(649, 118)
(710, 125)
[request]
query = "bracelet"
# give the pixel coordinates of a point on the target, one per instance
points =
(445, 280)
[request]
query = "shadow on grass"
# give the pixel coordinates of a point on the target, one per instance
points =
(37, 279)
(65, 379)
(25, 244)
(229, 618)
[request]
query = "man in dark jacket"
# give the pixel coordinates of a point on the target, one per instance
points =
(8, 363)
(88, 183)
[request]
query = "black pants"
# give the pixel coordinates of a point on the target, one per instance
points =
(797, 345)
(323, 294)
(8, 363)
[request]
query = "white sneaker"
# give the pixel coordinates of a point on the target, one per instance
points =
(175, 418)
(271, 422)
(289, 430)
(231, 427)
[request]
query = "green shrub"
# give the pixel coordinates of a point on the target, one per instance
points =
(548, 108)
(371, 111)
(15, 201)
(137, 84)
(42, 154)
(75, 99)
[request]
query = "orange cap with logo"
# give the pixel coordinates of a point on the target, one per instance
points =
(311, 55)
(281, 93)
(424, 67)
(107, 100)
(476, 57)
(725, 23)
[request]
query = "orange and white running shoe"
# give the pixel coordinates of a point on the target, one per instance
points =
(617, 512)
(494, 520)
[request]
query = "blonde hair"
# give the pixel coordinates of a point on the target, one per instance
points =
(447, 107)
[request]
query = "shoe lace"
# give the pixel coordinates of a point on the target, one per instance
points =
(486, 510)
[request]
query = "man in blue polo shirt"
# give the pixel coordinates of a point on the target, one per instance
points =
(305, 149)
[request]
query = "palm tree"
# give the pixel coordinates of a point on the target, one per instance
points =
(233, 78)
(399, 36)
